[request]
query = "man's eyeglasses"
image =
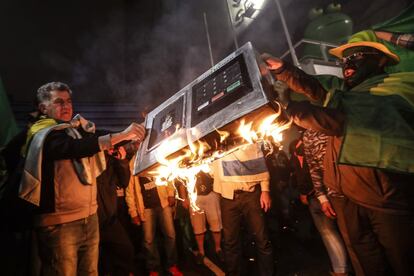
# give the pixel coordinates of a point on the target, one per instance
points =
(357, 56)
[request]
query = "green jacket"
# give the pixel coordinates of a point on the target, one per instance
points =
(370, 147)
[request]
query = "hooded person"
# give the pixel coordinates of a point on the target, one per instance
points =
(369, 151)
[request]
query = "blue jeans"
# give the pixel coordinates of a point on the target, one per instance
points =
(329, 232)
(70, 248)
(164, 217)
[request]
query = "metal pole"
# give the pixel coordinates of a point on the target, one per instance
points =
(289, 40)
(236, 44)
(313, 42)
(208, 39)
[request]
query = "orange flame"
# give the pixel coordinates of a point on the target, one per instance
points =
(185, 167)
(223, 135)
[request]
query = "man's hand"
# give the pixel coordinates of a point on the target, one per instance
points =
(79, 121)
(136, 220)
(119, 153)
(122, 153)
(304, 199)
(384, 35)
(328, 210)
(135, 132)
(171, 201)
(265, 201)
(273, 63)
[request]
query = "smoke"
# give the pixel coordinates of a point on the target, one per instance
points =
(171, 56)
(143, 52)
(55, 60)
(141, 55)
(101, 64)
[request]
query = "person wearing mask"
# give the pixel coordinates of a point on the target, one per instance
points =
(363, 161)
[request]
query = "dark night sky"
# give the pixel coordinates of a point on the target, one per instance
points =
(138, 51)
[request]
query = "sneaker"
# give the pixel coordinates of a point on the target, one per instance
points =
(199, 258)
(174, 271)
(220, 255)
(153, 273)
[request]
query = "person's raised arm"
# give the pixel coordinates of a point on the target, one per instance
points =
(296, 79)
(304, 114)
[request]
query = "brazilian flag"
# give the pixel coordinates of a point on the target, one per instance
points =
(379, 131)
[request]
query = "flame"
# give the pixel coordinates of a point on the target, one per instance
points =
(245, 131)
(223, 135)
(200, 154)
(267, 129)
(176, 169)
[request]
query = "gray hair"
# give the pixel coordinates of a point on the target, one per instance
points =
(43, 93)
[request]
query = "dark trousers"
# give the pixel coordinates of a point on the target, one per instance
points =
(245, 205)
(116, 250)
(377, 240)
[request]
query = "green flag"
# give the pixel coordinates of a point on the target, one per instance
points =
(380, 127)
(401, 24)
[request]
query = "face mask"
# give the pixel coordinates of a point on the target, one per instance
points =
(361, 65)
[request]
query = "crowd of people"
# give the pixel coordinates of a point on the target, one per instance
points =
(352, 166)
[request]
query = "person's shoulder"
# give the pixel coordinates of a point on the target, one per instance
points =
(330, 82)
(56, 134)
